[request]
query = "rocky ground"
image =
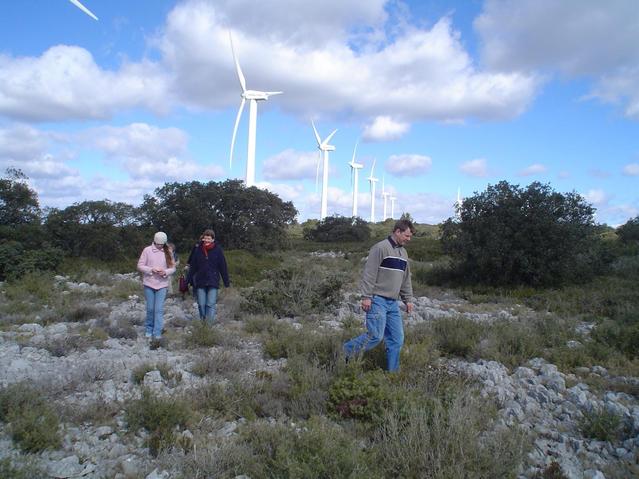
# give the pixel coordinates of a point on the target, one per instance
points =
(537, 396)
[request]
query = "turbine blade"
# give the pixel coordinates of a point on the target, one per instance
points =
(373, 167)
(237, 122)
(240, 75)
(352, 176)
(83, 8)
(319, 142)
(328, 138)
(271, 93)
(354, 152)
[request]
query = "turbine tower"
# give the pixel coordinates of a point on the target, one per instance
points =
(324, 147)
(393, 198)
(83, 8)
(385, 195)
(372, 180)
(355, 167)
(253, 96)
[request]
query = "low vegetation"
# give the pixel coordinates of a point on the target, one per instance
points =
(301, 410)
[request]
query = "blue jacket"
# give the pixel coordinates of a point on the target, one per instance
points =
(205, 271)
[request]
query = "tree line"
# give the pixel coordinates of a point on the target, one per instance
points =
(505, 235)
(32, 238)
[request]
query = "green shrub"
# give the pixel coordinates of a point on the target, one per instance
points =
(201, 335)
(457, 336)
(82, 313)
(16, 260)
(449, 436)
(314, 449)
(33, 424)
(629, 232)
(338, 228)
(246, 268)
(9, 470)
(533, 236)
(165, 370)
(158, 415)
(601, 424)
(362, 396)
(293, 290)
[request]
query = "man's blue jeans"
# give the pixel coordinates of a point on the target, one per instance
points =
(383, 321)
(154, 311)
(207, 303)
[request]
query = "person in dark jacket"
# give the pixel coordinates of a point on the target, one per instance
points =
(206, 265)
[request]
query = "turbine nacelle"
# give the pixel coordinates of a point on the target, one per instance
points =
(258, 95)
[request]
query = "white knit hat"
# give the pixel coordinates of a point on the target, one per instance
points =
(159, 238)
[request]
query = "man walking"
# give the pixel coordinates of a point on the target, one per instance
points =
(385, 280)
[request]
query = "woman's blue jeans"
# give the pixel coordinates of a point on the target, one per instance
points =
(207, 303)
(154, 311)
(383, 321)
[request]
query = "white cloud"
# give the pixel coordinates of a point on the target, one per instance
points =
(384, 128)
(66, 83)
(331, 58)
(408, 165)
(285, 191)
(534, 169)
(477, 168)
(597, 197)
(146, 151)
(631, 169)
(291, 165)
(415, 73)
(575, 38)
(425, 207)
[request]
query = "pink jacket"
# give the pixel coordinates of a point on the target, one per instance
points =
(150, 258)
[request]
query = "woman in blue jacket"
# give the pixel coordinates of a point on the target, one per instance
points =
(206, 264)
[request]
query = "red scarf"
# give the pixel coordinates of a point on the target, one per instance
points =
(207, 247)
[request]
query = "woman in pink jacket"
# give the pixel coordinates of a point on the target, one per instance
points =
(156, 265)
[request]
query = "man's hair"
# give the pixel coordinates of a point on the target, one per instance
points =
(208, 232)
(403, 225)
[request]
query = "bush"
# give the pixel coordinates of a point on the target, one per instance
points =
(457, 336)
(33, 423)
(360, 396)
(160, 416)
(629, 232)
(243, 218)
(339, 228)
(449, 436)
(314, 449)
(601, 424)
(534, 236)
(294, 290)
(16, 260)
(8, 470)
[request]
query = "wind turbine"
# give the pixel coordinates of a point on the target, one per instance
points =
(253, 96)
(355, 178)
(393, 198)
(372, 180)
(83, 8)
(385, 195)
(324, 147)
(458, 203)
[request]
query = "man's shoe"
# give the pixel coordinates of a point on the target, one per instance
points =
(155, 344)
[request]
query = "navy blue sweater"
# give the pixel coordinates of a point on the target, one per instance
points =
(205, 271)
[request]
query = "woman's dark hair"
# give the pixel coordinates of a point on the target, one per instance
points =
(208, 232)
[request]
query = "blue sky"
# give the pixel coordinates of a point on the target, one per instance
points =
(444, 95)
